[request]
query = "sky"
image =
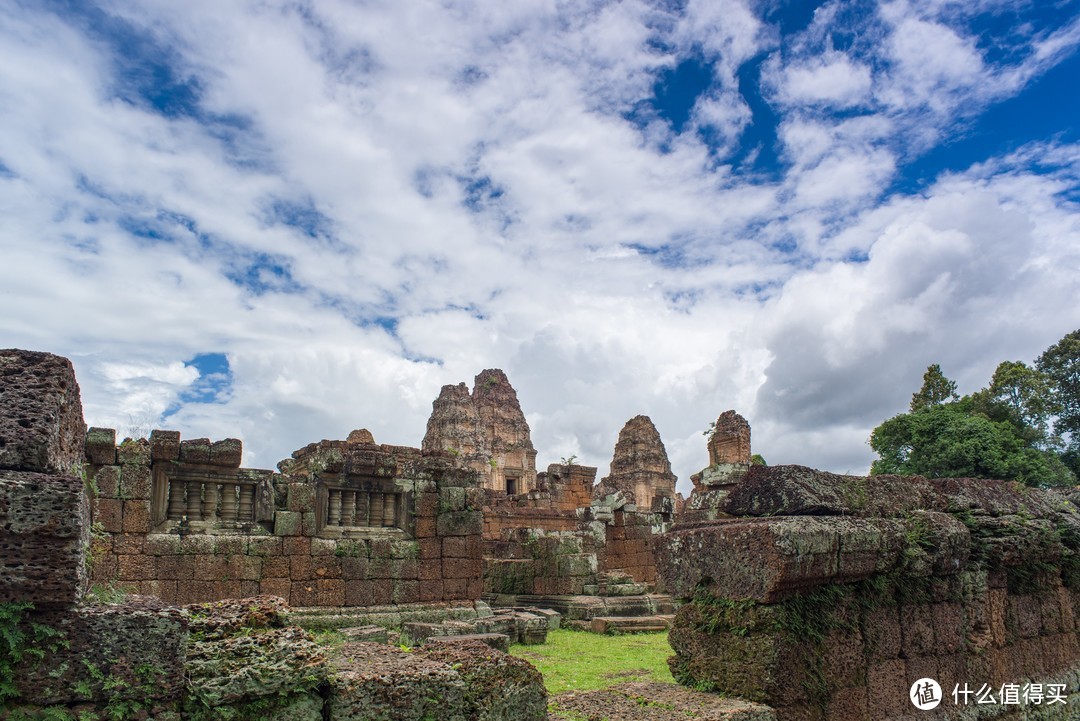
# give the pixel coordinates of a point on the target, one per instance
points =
(283, 220)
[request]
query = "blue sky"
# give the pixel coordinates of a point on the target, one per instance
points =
(285, 220)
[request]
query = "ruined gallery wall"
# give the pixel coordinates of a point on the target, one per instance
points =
(828, 596)
(344, 523)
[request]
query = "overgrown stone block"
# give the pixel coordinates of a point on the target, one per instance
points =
(128, 652)
(164, 445)
(375, 681)
(499, 687)
(44, 535)
(41, 421)
(101, 446)
(195, 450)
(226, 453)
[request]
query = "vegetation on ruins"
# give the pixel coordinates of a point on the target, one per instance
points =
(1024, 426)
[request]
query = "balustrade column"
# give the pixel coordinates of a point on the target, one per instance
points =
(389, 516)
(194, 501)
(375, 511)
(176, 500)
(228, 501)
(247, 503)
(348, 508)
(334, 515)
(210, 501)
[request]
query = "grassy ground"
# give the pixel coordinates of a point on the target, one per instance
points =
(582, 661)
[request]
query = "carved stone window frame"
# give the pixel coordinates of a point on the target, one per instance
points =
(196, 498)
(388, 498)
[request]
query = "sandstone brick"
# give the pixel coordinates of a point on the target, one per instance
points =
(210, 567)
(949, 627)
(303, 594)
(329, 592)
(276, 567)
(195, 450)
(354, 568)
(164, 445)
(109, 512)
(406, 591)
(226, 453)
(101, 446)
(175, 567)
(382, 591)
(44, 533)
(263, 546)
(107, 481)
(358, 593)
(917, 630)
(137, 516)
(326, 567)
(455, 589)
(432, 591)
(454, 547)
(849, 704)
(41, 422)
(280, 587)
(288, 523)
(296, 546)
(135, 482)
(301, 568)
(300, 497)
(129, 543)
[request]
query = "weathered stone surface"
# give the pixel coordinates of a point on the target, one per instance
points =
(802, 491)
(243, 668)
(376, 682)
(498, 686)
(195, 450)
(165, 445)
(101, 446)
(360, 435)
(226, 453)
(44, 533)
(763, 559)
(41, 420)
(130, 651)
(640, 466)
(226, 618)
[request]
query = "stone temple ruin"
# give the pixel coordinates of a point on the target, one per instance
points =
(816, 597)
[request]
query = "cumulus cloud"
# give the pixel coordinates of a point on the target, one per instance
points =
(358, 204)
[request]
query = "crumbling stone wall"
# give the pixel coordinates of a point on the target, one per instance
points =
(486, 431)
(828, 596)
(343, 523)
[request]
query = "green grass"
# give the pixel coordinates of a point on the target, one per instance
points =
(582, 661)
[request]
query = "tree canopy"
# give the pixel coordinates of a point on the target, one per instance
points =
(1024, 426)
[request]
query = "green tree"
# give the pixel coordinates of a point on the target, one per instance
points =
(1023, 396)
(1060, 363)
(949, 440)
(936, 389)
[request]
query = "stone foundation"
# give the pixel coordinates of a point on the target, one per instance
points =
(835, 616)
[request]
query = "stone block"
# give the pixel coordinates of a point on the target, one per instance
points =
(137, 516)
(44, 536)
(109, 512)
(459, 523)
(359, 593)
(917, 630)
(164, 445)
(373, 681)
(136, 648)
(763, 558)
(107, 481)
(308, 525)
(300, 497)
(133, 452)
(101, 446)
(500, 686)
(226, 453)
(41, 421)
(288, 523)
(135, 482)
(195, 450)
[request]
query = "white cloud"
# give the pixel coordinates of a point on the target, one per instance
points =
(482, 200)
